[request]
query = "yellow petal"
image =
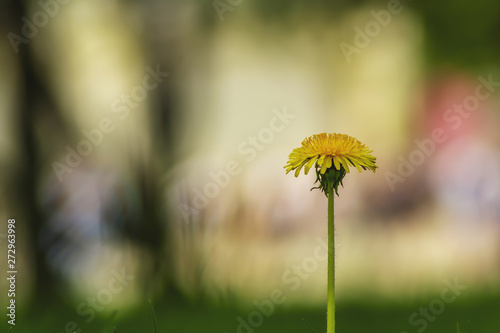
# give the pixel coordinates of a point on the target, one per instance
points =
(310, 164)
(336, 162)
(323, 168)
(328, 161)
(345, 164)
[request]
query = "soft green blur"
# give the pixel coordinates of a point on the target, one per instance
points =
(190, 109)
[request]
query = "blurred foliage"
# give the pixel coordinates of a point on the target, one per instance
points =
(459, 34)
(178, 316)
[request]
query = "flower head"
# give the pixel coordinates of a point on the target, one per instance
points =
(331, 154)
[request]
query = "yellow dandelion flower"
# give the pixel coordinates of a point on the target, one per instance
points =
(330, 151)
(332, 155)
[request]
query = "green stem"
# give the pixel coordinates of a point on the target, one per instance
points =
(330, 324)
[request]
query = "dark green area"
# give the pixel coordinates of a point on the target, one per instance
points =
(178, 316)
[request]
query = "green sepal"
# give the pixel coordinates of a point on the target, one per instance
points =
(332, 177)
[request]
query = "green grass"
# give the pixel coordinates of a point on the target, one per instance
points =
(179, 316)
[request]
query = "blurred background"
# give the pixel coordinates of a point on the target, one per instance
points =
(142, 146)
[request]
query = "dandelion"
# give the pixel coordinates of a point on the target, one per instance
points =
(331, 155)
